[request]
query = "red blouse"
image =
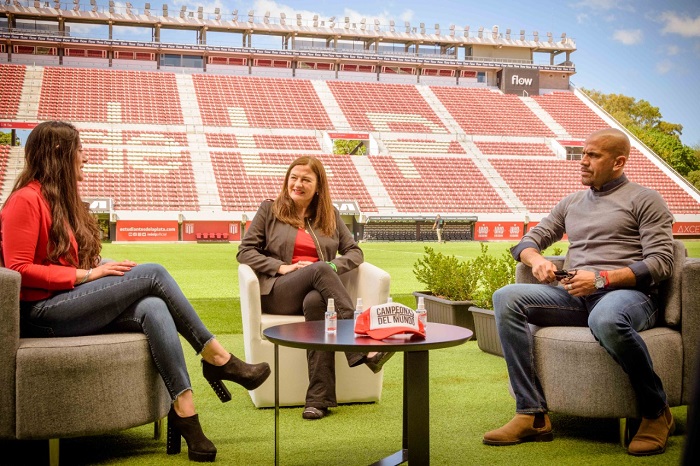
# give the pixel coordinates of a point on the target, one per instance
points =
(25, 223)
(304, 248)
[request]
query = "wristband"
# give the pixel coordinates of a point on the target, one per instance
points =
(604, 274)
(87, 275)
(333, 266)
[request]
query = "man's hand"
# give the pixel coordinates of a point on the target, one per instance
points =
(581, 284)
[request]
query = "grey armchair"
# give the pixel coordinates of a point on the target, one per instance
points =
(52, 388)
(580, 378)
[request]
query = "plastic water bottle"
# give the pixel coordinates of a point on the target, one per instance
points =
(422, 313)
(358, 310)
(331, 317)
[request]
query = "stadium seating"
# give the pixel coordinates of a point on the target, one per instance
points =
(571, 113)
(514, 148)
(109, 96)
(12, 79)
(158, 141)
(486, 111)
(423, 146)
(424, 183)
(259, 102)
(4, 155)
(385, 107)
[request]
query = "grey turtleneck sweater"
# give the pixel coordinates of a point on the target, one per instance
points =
(622, 225)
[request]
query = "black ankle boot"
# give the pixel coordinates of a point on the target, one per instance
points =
(199, 447)
(250, 376)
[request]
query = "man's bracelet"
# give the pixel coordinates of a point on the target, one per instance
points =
(333, 266)
(87, 275)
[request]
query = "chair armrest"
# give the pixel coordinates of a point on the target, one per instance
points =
(690, 325)
(523, 273)
(10, 282)
(249, 288)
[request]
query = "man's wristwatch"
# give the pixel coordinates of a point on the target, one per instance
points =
(601, 280)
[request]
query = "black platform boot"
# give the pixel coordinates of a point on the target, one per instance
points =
(250, 376)
(199, 447)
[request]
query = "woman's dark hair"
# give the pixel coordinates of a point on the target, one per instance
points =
(321, 210)
(50, 158)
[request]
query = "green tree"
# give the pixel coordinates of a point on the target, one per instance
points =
(5, 139)
(646, 122)
(349, 146)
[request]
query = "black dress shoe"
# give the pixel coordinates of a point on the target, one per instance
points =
(314, 413)
(376, 362)
(250, 376)
(199, 447)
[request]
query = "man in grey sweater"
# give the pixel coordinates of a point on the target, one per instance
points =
(621, 247)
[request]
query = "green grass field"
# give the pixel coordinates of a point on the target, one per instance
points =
(469, 391)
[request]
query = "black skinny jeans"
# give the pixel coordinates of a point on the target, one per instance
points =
(306, 291)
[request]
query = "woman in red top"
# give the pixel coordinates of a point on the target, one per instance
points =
(48, 235)
(293, 245)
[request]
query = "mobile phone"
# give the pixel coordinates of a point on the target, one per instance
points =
(560, 274)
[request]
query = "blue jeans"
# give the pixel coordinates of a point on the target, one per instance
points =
(145, 299)
(615, 317)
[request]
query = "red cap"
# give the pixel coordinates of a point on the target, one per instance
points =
(385, 320)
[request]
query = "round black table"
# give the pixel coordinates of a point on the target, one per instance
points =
(416, 393)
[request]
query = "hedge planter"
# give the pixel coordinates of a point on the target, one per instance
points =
(485, 326)
(445, 311)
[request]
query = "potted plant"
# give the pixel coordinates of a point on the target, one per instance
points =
(460, 291)
(495, 273)
(451, 284)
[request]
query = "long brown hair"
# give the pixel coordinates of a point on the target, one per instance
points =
(321, 210)
(49, 157)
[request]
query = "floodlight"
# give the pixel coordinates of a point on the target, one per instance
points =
(481, 32)
(466, 31)
(266, 18)
(550, 39)
(235, 15)
(251, 16)
(165, 10)
(494, 32)
(536, 36)
(298, 19)
(508, 33)
(522, 34)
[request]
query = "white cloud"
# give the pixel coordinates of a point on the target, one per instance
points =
(664, 66)
(673, 50)
(679, 24)
(628, 36)
(582, 18)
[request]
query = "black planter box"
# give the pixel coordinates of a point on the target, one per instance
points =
(485, 322)
(444, 311)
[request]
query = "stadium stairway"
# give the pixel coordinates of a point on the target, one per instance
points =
(439, 109)
(31, 91)
(340, 123)
(378, 193)
(190, 108)
(546, 118)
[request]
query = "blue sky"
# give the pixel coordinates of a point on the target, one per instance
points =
(645, 49)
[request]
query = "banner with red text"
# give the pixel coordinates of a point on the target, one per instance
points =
(194, 230)
(487, 231)
(686, 229)
(147, 230)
